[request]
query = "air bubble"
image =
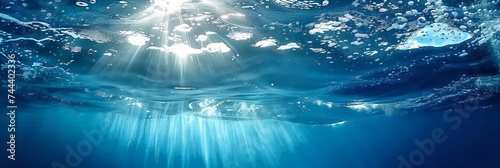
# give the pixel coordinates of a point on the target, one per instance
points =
(82, 4)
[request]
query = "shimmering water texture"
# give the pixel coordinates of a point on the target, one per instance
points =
(224, 83)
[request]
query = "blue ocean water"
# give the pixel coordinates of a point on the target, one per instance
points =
(252, 83)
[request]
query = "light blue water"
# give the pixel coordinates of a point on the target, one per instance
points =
(253, 83)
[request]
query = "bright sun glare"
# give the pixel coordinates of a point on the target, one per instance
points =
(172, 6)
(137, 39)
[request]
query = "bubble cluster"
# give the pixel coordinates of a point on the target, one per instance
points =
(302, 4)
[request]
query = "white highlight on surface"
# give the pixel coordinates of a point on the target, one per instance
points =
(183, 28)
(39, 42)
(83, 4)
(301, 4)
(172, 6)
(323, 103)
(337, 123)
(435, 35)
(265, 43)
(7, 17)
(217, 47)
(185, 50)
(362, 106)
(289, 46)
(318, 50)
(202, 38)
(240, 35)
(226, 16)
(137, 39)
(36, 64)
(326, 26)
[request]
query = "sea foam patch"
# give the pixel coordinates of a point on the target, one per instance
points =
(435, 35)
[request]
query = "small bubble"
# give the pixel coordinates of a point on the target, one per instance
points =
(82, 4)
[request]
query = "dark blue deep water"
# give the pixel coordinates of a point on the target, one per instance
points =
(250, 83)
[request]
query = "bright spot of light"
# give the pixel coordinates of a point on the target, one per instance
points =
(183, 50)
(289, 46)
(240, 35)
(183, 28)
(172, 6)
(217, 47)
(137, 39)
(337, 123)
(239, 15)
(265, 43)
(202, 38)
(362, 106)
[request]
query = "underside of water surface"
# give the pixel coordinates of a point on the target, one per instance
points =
(253, 83)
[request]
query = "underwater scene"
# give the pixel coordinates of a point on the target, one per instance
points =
(250, 83)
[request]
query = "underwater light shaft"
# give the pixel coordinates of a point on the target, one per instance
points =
(268, 83)
(181, 139)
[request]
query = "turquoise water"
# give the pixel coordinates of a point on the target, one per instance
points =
(199, 83)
